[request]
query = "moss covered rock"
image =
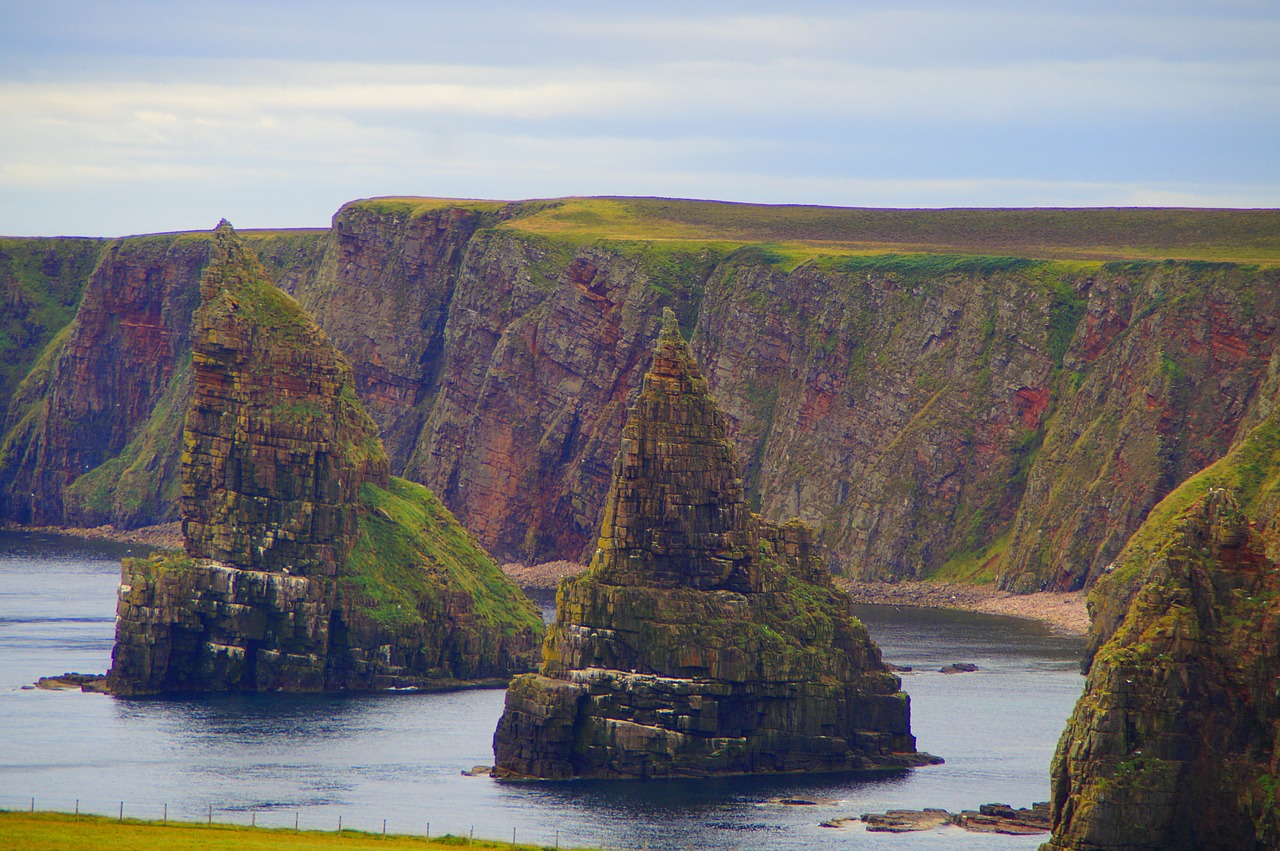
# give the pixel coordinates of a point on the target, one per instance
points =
(307, 565)
(703, 639)
(1174, 742)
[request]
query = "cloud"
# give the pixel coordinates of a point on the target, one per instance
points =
(996, 102)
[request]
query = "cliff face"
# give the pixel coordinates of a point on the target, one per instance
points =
(91, 395)
(703, 639)
(41, 283)
(537, 376)
(93, 433)
(1174, 743)
(994, 417)
(1157, 384)
(384, 291)
(1008, 418)
(307, 566)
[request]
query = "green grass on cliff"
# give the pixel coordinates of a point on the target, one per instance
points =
(1251, 471)
(43, 830)
(32, 393)
(1245, 236)
(411, 547)
(415, 207)
(142, 484)
(159, 563)
(979, 566)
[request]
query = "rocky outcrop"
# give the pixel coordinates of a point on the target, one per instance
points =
(1174, 743)
(991, 417)
(703, 639)
(277, 444)
(988, 818)
(307, 566)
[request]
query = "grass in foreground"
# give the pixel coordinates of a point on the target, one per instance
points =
(63, 831)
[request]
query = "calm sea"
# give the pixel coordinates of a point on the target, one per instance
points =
(400, 757)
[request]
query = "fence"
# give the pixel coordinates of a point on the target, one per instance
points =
(297, 818)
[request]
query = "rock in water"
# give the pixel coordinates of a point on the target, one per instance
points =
(703, 639)
(307, 565)
(1174, 743)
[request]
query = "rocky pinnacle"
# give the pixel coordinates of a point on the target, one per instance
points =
(703, 639)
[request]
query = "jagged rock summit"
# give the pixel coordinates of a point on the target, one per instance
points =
(703, 639)
(307, 565)
(277, 445)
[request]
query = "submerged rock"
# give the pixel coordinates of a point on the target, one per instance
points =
(958, 668)
(73, 682)
(307, 565)
(702, 639)
(988, 818)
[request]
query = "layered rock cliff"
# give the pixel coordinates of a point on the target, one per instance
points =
(307, 566)
(1175, 743)
(991, 417)
(703, 639)
(83, 412)
(93, 433)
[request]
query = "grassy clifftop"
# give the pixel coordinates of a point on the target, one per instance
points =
(1241, 236)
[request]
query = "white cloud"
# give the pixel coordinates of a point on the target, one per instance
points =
(995, 103)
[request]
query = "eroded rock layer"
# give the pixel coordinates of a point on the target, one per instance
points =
(307, 566)
(703, 639)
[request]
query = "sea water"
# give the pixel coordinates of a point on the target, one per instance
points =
(274, 759)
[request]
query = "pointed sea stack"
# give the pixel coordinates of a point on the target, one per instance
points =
(703, 640)
(307, 565)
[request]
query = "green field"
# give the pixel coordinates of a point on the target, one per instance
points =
(1110, 233)
(65, 831)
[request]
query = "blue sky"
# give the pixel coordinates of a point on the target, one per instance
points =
(131, 117)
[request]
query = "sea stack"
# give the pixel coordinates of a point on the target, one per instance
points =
(307, 565)
(1175, 743)
(702, 640)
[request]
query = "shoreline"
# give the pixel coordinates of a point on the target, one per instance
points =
(1063, 612)
(167, 536)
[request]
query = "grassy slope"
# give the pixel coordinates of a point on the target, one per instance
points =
(1251, 471)
(64, 831)
(410, 545)
(141, 482)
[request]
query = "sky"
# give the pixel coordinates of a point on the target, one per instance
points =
(135, 117)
